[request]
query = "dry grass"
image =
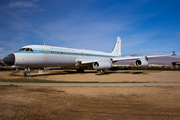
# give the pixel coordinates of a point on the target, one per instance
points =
(30, 102)
(92, 76)
(79, 103)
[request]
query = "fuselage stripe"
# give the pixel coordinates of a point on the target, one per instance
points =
(64, 53)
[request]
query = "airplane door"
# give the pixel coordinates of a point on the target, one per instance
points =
(45, 51)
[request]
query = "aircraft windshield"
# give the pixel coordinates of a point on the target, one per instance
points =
(26, 49)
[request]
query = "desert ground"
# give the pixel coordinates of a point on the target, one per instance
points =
(89, 103)
(145, 76)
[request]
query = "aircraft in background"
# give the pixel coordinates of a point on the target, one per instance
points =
(38, 56)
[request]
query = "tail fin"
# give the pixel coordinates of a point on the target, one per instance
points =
(117, 47)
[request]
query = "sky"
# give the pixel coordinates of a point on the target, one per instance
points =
(145, 26)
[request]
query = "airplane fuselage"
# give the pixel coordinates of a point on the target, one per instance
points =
(50, 56)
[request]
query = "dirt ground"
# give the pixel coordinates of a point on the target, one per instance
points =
(91, 103)
(92, 76)
(82, 103)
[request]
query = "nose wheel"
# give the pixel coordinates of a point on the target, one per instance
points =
(27, 72)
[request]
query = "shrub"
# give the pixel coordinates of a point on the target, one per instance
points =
(5, 69)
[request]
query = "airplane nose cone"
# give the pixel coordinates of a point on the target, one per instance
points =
(10, 59)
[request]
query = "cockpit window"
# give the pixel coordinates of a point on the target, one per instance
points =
(26, 49)
(22, 49)
(30, 49)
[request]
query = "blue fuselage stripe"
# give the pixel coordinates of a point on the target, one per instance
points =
(64, 53)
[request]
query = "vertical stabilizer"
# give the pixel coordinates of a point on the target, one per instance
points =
(117, 47)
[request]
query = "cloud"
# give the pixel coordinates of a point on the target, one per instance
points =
(10, 46)
(77, 32)
(1, 48)
(22, 4)
(1, 56)
(83, 26)
(4, 52)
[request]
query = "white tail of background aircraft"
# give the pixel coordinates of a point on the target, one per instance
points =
(40, 56)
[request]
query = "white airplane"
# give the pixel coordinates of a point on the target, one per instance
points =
(38, 56)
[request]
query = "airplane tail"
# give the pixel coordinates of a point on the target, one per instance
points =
(117, 47)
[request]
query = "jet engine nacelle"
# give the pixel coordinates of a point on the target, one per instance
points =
(102, 65)
(141, 62)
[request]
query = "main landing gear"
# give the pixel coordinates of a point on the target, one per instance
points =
(100, 71)
(27, 72)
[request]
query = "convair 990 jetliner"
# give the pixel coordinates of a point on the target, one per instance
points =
(38, 56)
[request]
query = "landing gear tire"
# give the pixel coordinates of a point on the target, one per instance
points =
(26, 74)
(100, 71)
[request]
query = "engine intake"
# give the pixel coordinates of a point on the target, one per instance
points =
(102, 65)
(141, 62)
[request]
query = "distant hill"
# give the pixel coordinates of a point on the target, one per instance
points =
(159, 61)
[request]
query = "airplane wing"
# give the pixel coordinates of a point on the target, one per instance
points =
(88, 61)
(139, 57)
(107, 63)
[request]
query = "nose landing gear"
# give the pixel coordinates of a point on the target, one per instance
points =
(27, 72)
